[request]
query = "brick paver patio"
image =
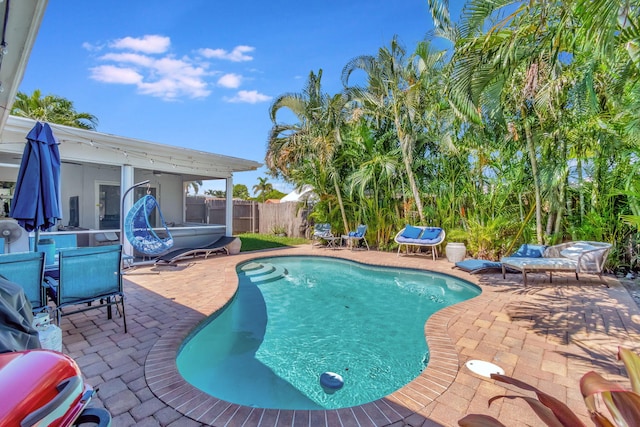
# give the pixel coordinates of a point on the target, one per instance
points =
(548, 335)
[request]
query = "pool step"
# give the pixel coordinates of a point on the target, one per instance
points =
(262, 273)
(278, 273)
(251, 266)
(261, 270)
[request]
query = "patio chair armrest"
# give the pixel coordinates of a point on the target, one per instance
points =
(593, 260)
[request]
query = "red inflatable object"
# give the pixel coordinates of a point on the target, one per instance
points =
(41, 387)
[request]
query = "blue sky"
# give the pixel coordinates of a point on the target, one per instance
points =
(202, 74)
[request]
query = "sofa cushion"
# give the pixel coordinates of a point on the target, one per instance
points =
(431, 233)
(404, 240)
(411, 232)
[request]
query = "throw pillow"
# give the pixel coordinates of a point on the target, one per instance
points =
(411, 232)
(530, 251)
(431, 233)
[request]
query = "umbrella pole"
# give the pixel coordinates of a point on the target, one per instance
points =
(35, 242)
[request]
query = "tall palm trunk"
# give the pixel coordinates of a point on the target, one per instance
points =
(534, 170)
(557, 229)
(414, 188)
(562, 203)
(581, 189)
(339, 196)
(407, 158)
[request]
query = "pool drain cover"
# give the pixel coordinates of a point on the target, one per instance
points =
(482, 368)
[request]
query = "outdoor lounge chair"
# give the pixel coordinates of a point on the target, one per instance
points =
(577, 257)
(90, 274)
(420, 236)
(356, 237)
(219, 245)
(26, 269)
(478, 266)
(322, 231)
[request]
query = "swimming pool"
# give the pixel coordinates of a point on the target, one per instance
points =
(294, 318)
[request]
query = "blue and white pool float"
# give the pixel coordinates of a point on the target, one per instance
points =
(331, 381)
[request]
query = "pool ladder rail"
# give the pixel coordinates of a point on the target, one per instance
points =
(259, 272)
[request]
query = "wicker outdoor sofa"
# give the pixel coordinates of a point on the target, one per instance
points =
(420, 236)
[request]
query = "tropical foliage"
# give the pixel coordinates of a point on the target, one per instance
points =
(262, 188)
(526, 130)
(51, 109)
(240, 191)
(195, 185)
(273, 194)
(215, 193)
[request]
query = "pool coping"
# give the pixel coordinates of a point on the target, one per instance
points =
(167, 384)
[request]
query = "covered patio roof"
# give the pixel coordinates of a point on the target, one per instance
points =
(20, 20)
(84, 146)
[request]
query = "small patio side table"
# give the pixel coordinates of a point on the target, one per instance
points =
(333, 242)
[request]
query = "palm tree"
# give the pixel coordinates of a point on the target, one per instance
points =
(397, 90)
(313, 140)
(513, 59)
(195, 185)
(374, 184)
(610, 24)
(262, 187)
(542, 68)
(215, 193)
(52, 109)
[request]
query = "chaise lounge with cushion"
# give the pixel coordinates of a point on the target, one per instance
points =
(578, 257)
(221, 244)
(420, 236)
(477, 266)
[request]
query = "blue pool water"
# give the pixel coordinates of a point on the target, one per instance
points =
(294, 318)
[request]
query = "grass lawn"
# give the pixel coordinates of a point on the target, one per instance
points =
(256, 242)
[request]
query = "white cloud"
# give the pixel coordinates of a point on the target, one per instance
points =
(147, 63)
(249, 97)
(91, 47)
(131, 58)
(171, 89)
(146, 44)
(236, 55)
(112, 74)
(231, 81)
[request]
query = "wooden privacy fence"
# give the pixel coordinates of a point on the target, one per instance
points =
(250, 216)
(287, 217)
